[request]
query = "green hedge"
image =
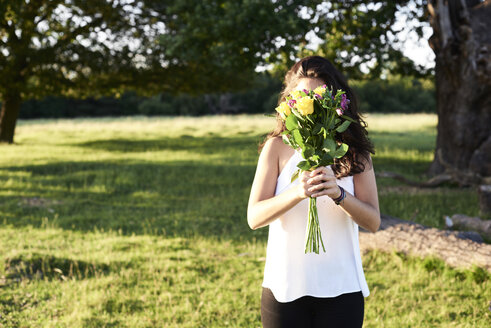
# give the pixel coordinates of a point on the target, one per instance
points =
(397, 95)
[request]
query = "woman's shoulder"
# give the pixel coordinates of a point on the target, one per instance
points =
(274, 145)
(276, 151)
(275, 141)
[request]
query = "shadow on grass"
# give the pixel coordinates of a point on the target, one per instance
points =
(201, 145)
(96, 322)
(178, 198)
(415, 169)
(414, 140)
(43, 266)
(175, 198)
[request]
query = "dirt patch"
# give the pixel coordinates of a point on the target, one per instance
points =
(456, 248)
(38, 202)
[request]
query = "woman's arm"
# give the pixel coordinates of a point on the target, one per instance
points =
(264, 207)
(364, 208)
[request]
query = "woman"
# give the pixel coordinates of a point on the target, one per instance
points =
(325, 289)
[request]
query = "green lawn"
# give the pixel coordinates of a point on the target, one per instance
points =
(141, 222)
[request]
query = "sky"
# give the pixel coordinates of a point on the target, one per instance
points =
(418, 50)
(412, 47)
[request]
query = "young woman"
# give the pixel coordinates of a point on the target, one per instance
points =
(325, 289)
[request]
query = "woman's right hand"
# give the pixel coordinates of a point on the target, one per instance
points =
(318, 182)
(303, 187)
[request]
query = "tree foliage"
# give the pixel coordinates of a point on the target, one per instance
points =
(81, 48)
(72, 47)
(220, 42)
(357, 33)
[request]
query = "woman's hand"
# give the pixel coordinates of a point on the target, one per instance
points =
(318, 182)
(363, 209)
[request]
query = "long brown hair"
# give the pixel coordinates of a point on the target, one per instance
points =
(356, 136)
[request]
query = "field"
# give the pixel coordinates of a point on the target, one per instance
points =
(141, 222)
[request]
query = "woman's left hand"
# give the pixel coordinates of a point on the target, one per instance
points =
(323, 182)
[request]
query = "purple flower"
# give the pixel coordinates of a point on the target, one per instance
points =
(318, 96)
(306, 91)
(344, 102)
(339, 111)
(292, 102)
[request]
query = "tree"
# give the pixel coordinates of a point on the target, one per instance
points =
(81, 48)
(72, 48)
(223, 41)
(462, 45)
(361, 32)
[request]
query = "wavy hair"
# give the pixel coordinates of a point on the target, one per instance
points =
(356, 136)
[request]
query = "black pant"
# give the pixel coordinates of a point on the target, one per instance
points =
(345, 310)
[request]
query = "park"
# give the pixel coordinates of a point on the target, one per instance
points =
(124, 188)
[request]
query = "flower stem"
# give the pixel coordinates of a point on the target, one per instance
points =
(313, 231)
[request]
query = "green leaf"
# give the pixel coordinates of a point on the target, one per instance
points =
(298, 138)
(309, 119)
(341, 151)
(295, 175)
(327, 159)
(315, 158)
(299, 116)
(346, 117)
(305, 132)
(329, 145)
(291, 122)
(308, 151)
(324, 131)
(331, 125)
(317, 129)
(343, 126)
(304, 166)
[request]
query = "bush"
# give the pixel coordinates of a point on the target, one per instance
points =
(395, 95)
(154, 106)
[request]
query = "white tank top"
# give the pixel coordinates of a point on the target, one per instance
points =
(289, 272)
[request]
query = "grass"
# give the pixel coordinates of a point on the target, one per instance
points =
(141, 222)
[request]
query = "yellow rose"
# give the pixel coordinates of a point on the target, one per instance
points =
(284, 108)
(296, 94)
(305, 105)
(320, 90)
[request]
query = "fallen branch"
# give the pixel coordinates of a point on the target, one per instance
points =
(431, 183)
(460, 221)
(463, 178)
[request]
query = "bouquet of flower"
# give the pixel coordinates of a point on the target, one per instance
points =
(312, 119)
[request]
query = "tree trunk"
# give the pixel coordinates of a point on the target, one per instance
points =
(8, 116)
(462, 45)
